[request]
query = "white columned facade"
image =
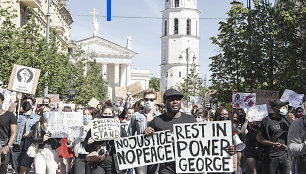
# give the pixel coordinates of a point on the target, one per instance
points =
(123, 75)
(179, 41)
(104, 70)
(116, 75)
(128, 74)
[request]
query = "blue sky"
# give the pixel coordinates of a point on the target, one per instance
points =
(145, 32)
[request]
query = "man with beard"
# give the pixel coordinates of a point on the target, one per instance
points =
(172, 100)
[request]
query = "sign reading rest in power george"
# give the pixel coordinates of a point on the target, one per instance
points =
(24, 79)
(105, 129)
(202, 147)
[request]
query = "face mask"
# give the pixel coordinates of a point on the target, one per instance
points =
(149, 105)
(224, 118)
(107, 117)
(26, 106)
(283, 112)
(87, 120)
(46, 115)
(79, 110)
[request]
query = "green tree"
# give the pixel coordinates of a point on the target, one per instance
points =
(154, 83)
(192, 85)
(261, 48)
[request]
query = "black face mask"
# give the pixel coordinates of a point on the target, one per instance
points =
(224, 118)
(107, 117)
(255, 126)
(26, 106)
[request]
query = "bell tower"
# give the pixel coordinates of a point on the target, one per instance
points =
(179, 41)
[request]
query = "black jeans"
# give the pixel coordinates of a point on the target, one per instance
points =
(282, 163)
(81, 166)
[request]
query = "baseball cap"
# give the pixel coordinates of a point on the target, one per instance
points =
(278, 103)
(172, 93)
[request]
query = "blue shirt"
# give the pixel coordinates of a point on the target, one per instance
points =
(139, 122)
(25, 123)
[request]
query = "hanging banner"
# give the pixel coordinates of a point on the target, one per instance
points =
(65, 124)
(105, 129)
(257, 112)
(24, 79)
(142, 150)
(202, 147)
(294, 99)
(243, 100)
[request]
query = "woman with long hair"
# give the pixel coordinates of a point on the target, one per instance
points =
(76, 144)
(103, 162)
(46, 158)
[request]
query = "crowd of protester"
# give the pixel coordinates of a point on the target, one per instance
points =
(277, 144)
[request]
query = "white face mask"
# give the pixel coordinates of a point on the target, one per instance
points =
(149, 105)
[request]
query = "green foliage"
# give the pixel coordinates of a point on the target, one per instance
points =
(154, 83)
(192, 85)
(27, 46)
(261, 48)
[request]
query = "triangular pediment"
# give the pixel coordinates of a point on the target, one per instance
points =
(104, 48)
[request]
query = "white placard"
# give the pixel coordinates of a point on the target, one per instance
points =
(142, 150)
(243, 100)
(294, 99)
(202, 147)
(24, 79)
(257, 112)
(65, 124)
(105, 129)
(196, 100)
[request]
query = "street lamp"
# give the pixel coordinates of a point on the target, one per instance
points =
(188, 52)
(47, 40)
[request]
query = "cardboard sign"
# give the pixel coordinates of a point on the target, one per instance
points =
(120, 91)
(159, 97)
(264, 97)
(196, 100)
(294, 99)
(257, 112)
(7, 98)
(65, 124)
(142, 150)
(24, 79)
(243, 100)
(134, 88)
(105, 129)
(54, 98)
(201, 147)
(93, 102)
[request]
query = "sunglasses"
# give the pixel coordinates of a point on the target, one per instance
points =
(151, 99)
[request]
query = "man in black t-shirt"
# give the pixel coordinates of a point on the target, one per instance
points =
(273, 135)
(8, 132)
(172, 99)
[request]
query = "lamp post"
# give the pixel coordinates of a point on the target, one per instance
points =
(188, 52)
(47, 39)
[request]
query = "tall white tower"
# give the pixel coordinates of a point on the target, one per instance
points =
(179, 41)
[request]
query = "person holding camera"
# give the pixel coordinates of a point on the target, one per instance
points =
(101, 155)
(8, 131)
(45, 148)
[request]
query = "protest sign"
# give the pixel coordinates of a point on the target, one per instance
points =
(65, 124)
(105, 129)
(159, 97)
(202, 147)
(264, 97)
(7, 98)
(134, 88)
(294, 99)
(120, 91)
(243, 100)
(142, 150)
(54, 98)
(257, 112)
(196, 100)
(93, 102)
(24, 79)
